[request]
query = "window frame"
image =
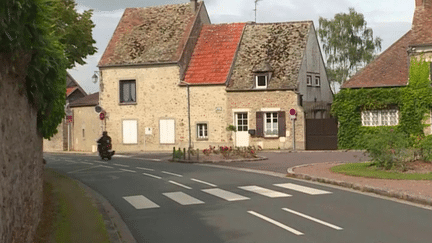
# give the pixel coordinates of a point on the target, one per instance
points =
(273, 113)
(266, 77)
(317, 84)
(205, 136)
(121, 98)
(309, 80)
(383, 117)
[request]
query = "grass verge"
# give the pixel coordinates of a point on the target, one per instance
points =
(68, 214)
(369, 171)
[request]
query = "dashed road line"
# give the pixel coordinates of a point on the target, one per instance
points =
(182, 198)
(264, 191)
(140, 202)
(170, 173)
(296, 232)
(178, 184)
(141, 168)
(157, 177)
(105, 166)
(100, 162)
(304, 189)
(229, 196)
(313, 219)
(203, 182)
(128, 170)
(86, 163)
(74, 171)
(149, 159)
(122, 165)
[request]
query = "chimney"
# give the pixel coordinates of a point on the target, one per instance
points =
(194, 5)
(422, 23)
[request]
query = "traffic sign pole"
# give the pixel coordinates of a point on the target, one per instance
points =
(293, 116)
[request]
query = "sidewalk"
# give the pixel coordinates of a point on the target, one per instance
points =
(410, 190)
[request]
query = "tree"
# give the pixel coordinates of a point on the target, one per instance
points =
(42, 29)
(348, 44)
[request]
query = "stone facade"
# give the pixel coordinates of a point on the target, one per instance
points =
(253, 102)
(86, 129)
(21, 158)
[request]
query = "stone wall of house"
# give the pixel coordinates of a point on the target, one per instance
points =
(265, 101)
(21, 166)
(86, 129)
(56, 142)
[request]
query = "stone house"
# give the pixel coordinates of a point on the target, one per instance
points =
(167, 68)
(391, 68)
(86, 127)
(62, 140)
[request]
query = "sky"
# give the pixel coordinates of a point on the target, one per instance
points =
(389, 19)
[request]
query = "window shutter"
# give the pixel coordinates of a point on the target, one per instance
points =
(281, 124)
(260, 124)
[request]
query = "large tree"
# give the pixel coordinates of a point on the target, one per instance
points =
(348, 44)
(55, 37)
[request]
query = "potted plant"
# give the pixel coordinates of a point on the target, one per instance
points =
(231, 128)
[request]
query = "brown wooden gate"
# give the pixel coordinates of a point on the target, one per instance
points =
(321, 134)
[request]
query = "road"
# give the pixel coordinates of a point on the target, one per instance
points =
(173, 202)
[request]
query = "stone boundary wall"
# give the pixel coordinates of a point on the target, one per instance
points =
(21, 157)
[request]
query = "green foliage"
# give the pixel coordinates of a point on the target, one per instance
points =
(425, 146)
(348, 44)
(414, 102)
(178, 154)
(35, 27)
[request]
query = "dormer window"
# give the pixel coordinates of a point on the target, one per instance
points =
(261, 81)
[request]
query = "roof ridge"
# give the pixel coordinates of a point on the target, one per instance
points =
(287, 22)
(160, 6)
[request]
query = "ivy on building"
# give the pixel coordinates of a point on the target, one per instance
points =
(414, 102)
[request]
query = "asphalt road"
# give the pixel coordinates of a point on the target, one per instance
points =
(172, 202)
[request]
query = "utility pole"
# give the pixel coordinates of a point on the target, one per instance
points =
(256, 4)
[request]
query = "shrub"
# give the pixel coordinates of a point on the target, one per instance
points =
(425, 146)
(178, 154)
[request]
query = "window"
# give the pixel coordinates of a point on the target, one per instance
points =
(242, 122)
(372, 118)
(130, 132)
(317, 81)
(261, 81)
(309, 80)
(202, 131)
(83, 133)
(271, 124)
(127, 91)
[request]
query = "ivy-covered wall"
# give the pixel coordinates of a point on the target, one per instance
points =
(414, 102)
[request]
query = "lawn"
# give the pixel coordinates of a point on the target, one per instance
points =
(370, 171)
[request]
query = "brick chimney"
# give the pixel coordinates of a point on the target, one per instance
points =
(194, 5)
(422, 22)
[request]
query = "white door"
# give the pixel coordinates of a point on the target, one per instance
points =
(242, 135)
(167, 131)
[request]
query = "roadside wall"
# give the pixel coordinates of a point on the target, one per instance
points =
(21, 167)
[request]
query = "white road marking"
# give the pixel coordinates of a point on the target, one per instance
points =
(313, 219)
(182, 198)
(276, 223)
(88, 168)
(127, 170)
(100, 162)
(157, 177)
(304, 189)
(121, 165)
(170, 173)
(144, 169)
(264, 191)
(178, 184)
(86, 163)
(106, 166)
(140, 202)
(70, 161)
(149, 159)
(203, 182)
(229, 196)
(122, 156)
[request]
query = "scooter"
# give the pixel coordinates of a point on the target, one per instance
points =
(105, 152)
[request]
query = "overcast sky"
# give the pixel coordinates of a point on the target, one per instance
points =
(389, 19)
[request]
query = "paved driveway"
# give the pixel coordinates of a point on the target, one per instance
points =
(280, 161)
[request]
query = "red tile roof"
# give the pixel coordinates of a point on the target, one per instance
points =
(70, 90)
(214, 53)
(388, 69)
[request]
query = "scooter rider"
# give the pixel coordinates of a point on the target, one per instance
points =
(104, 141)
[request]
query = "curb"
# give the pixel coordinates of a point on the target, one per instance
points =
(217, 161)
(117, 230)
(380, 191)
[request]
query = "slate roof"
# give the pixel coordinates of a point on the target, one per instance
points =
(150, 35)
(214, 54)
(279, 46)
(389, 69)
(89, 100)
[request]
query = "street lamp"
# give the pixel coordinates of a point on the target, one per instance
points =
(95, 77)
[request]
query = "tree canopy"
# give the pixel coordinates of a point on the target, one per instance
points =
(56, 37)
(348, 44)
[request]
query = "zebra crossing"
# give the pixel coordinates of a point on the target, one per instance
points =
(142, 202)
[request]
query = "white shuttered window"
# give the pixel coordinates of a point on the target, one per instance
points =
(167, 131)
(130, 131)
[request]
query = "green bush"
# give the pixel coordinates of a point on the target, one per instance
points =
(425, 146)
(178, 154)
